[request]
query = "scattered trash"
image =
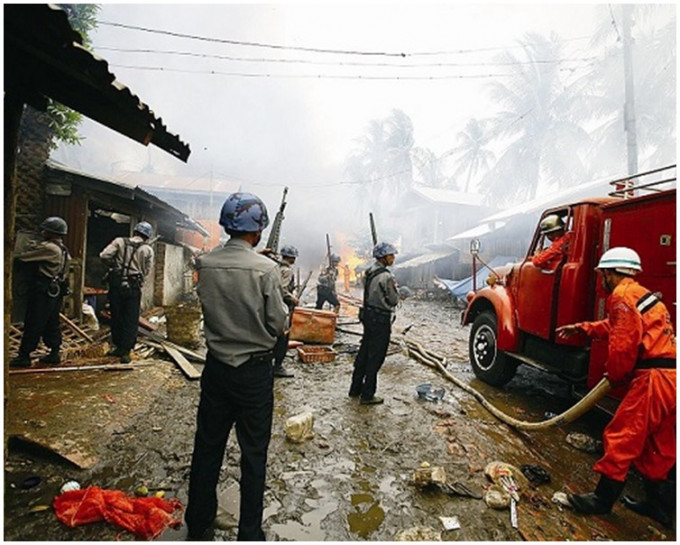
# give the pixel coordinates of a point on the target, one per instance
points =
(108, 398)
(560, 498)
(141, 491)
(418, 533)
(157, 428)
(450, 523)
(30, 482)
(38, 508)
(90, 317)
(497, 497)
(68, 486)
(299, 427)
(426, 392)
(507, 476)
(460, 489)
(427, 475)
(535, 473)
(513, 513)
(584, 442)
(159, 494)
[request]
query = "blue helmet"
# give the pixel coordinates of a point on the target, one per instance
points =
(244, 212)
(55, 225)
(289, 251)
(144, 228)
(382, 249)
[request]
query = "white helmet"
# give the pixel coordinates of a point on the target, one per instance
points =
(622, 260)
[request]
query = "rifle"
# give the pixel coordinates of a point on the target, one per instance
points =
(275, 233)
(328, 249)
(374, 233)
(304, 285)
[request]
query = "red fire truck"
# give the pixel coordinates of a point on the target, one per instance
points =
(514, 317)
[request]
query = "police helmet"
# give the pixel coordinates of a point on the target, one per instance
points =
(335, 258)
(244, 212)
(144, 228)
(382, 249)
(289, 251)
(55, 225)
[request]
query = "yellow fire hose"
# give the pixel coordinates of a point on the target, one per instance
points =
(416, 351)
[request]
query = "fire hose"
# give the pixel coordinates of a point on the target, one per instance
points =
(416, 351)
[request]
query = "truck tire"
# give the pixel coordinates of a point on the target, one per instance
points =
(488, 363)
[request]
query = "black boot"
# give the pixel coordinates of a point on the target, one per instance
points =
(280, 371)
(601, 501)
(22, 360)
(659, 502)
(53, 358)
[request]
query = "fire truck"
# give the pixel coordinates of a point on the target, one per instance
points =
(514, 317)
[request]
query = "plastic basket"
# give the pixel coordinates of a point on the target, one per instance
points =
(316, 354)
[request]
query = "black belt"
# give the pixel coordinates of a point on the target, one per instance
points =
(377, 310)
(656, 363)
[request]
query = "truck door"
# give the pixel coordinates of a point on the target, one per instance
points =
(539, 287)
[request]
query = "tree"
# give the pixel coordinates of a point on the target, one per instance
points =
(538, 125)
(472, 151)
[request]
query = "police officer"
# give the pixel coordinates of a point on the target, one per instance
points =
(288, 256)
(243, 314)
(129, 261)
(49, 259)
(380, 299)
(641, 359)
(553, 228)
(325, 287)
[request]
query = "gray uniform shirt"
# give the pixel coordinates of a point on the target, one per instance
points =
(49, 256)
(288, 283)
(116, 255)
(382, 292)
(242, 299)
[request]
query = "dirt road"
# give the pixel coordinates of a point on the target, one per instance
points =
(353, 480)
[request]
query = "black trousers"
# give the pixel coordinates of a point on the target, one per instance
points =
(325, 294)
(280, 349)
(243, 396)
(124, 307)
(41, 321)
(371, 356)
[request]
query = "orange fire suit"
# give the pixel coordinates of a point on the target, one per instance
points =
(642, 357)
(550, 258)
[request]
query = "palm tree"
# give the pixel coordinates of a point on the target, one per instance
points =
(472, 153)
(538, 124)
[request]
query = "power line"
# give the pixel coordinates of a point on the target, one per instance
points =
(307, 49)
(339, 63)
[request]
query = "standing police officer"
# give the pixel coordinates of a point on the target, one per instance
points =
(380, 299)
(129, 261)
(243, 314)
(325, 287)
(48, 279)
(288, 256)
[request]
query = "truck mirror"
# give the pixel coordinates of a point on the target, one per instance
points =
(475, 246)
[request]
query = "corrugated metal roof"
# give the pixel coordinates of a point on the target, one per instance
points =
(44, 58)
(125, 191)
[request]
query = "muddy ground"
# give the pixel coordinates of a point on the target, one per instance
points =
(353, 480)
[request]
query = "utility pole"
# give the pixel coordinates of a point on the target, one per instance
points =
(629, 105)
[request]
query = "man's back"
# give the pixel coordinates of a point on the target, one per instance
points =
(243, 308)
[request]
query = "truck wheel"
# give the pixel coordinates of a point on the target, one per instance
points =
(488, 363)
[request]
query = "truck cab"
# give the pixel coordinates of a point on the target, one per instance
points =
(513, 319)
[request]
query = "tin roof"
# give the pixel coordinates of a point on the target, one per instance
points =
(44, 59)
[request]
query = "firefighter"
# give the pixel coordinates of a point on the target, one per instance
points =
(48, 261)
(129, 261)
(325, 286)
(376, 315)
(288, 256)
(641, 358)
(552, 227)
(243, 315)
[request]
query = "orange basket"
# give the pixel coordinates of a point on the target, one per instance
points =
(316, 354)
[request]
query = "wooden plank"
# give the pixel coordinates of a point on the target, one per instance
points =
(75, 328)
(58, 369)
(155, 337)
(189, 370)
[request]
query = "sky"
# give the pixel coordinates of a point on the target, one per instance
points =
(287, 98)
